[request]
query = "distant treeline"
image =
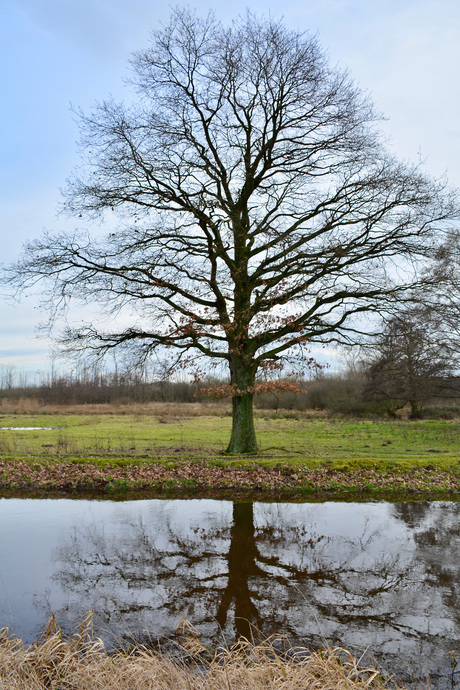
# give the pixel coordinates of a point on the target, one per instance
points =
(349, 392)
(95, 386)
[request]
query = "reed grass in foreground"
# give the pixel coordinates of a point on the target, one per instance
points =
(81, 663)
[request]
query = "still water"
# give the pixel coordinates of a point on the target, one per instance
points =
(382, 577)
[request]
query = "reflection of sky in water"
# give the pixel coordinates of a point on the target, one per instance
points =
(360, 574)
(27, 428)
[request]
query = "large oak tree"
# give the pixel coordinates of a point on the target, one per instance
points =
(257, 208)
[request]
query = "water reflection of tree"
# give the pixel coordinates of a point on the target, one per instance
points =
(278, 570)
(437, 538)
(412, 513)
(242, 566)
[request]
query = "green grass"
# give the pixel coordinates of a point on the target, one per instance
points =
(337, 443)
(100, 434)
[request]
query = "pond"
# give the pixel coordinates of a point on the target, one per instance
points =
(381, 577)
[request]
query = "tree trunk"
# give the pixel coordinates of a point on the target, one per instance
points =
(243, 438)
(415, 410)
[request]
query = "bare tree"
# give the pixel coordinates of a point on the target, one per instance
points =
(258, 209)
(410, 363)
(440, 298)
(7, 377)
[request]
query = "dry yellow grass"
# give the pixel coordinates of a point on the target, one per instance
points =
(154, 409)
(81, 663)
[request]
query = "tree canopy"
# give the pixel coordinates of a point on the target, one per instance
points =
(257, 209)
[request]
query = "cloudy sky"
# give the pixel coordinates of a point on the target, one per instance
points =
(405, 53)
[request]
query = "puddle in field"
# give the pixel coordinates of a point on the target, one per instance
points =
(378, 576)
(28, 428)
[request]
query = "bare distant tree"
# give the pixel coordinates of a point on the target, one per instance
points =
(7, 376)
(440, 297)
(259, 211)
(411, 363)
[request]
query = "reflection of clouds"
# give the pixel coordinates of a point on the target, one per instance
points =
(145, 568)
(360, 575)
(437, 538)
(349, 566)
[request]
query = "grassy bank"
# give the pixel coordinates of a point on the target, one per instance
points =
(81, 663)
(178, 448)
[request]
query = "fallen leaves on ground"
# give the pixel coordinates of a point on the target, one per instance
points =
(65, 475)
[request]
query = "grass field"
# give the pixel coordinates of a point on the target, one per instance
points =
(168, 430)
(168, 447)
